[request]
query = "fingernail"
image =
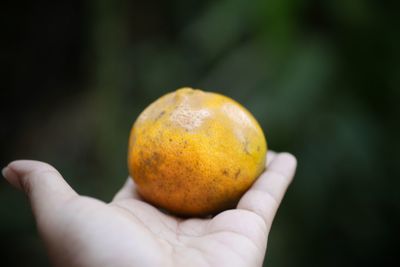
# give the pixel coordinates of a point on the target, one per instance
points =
(8, 173)
(11, 176)
(4, 171)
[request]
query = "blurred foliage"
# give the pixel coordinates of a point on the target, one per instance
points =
(322, 77)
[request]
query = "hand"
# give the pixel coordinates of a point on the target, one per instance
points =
(83, 231)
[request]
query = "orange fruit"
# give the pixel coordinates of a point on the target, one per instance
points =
(195, 153)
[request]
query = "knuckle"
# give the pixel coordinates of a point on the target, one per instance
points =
(28, 180)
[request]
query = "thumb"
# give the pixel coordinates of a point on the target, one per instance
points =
(43, 184)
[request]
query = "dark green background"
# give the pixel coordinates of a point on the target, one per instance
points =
(322, 78)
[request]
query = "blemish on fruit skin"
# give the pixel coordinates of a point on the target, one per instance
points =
(160, 115)
(246, 147)
(236, 114)
(185, 144)
(189, 118)
(154, 160)
(237, 173)
(225, 172)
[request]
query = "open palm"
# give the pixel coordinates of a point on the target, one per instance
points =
(83, 231)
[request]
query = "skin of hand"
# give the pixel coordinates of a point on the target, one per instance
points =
(83, 231)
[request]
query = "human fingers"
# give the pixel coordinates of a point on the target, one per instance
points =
(265, 195)
(44, 186)
(270, 156)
